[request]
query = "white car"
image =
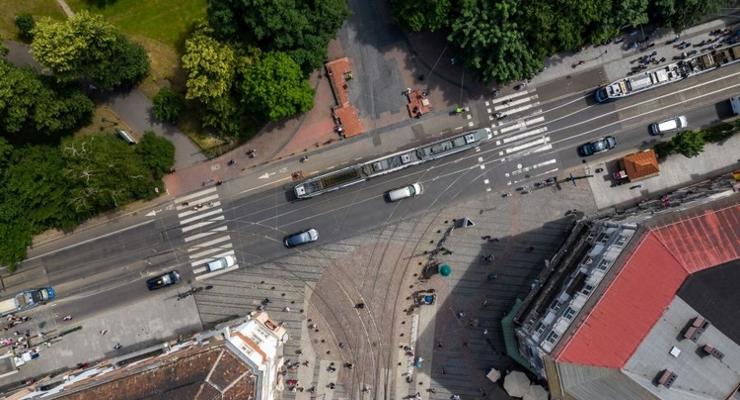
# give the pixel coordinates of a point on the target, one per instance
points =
(411, 190)
(670, 125)
(221, 263)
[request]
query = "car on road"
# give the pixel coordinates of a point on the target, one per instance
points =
(668, 126)
(164, 280)
(597, 146)
(404, 192)
(302, 237)
(221, 263)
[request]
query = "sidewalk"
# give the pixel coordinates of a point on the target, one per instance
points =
(675, 171)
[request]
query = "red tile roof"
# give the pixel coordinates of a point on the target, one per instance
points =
(641, 165)
(646, 284)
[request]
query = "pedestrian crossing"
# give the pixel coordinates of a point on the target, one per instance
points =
(203, 224)
(519, 130)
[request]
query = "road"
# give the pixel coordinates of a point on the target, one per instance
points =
(106, 267)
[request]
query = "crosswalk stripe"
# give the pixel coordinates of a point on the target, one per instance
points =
(215, 273)
(200, 216)
(509, 96)
(514, 103)
(196, 194)
(202, 224)
(201, 201)
(199, 246)
(204, 234)
(527, 134)
(527, 145)
(190, 210)
(211, 250)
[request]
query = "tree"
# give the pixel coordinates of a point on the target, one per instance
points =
(157, 154)
(275, 87)
(87, 47)
(491, 42)
(210, 67)
(168, 105)
(689, 143)
(300, 28)
(631, 13)
(222, 114)
(680, 14)
(25, 24)
(433, 16)
(30, 105)
(104, 173)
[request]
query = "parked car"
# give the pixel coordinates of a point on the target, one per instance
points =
(668, 126)
(597, 146)
(404, 192)
(735, 103)
(221, 263)
(164, 280)
(300, 238)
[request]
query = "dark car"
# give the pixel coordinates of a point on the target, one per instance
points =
(164, 280)
(303, 237)
(597, 146)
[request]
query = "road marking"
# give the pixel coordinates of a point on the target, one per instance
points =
(209, 251)
(527, 145)
(216, 273)
(510, 96)
(219, 239)
(265, 184)
(196, 194)
(527, 134)
(202, 224)
(71, 246)
(514, 103)
(204, 234)
(201, 216)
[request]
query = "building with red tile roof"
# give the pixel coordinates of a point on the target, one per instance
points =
(642, 308)
(640, 165)
(239, 361)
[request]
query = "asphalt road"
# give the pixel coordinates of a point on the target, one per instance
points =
(107, 267)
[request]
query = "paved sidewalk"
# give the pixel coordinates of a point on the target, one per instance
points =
(675, 171)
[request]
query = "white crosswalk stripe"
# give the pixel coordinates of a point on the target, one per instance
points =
(201, 218)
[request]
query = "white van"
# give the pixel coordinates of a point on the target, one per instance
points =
(404, 192)
(669, 125)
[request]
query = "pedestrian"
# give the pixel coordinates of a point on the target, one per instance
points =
(103, 331)
(117, 346)
(185, 203)
(485, 331)
(332, 385)
(360, 305)
(487, 237)
(218, 183)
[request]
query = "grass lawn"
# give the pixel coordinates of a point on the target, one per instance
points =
(165, 21)
(37, 8)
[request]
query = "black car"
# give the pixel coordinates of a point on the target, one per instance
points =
(597, 146)
(164, 280)
(303, 237)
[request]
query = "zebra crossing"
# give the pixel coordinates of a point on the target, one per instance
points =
(203, 225)
(519, 130)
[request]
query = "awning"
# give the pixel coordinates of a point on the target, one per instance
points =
(516, 384)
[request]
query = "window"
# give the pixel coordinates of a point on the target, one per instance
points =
(569, 313)
(552, 337)
(587, 289)
(603, 264)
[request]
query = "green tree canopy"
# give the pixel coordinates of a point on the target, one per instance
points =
(275, 87)
(157, 154)
(300, 28)
(25, 24)
(104, 173)
(87, 47)
(680, 14)
(168, 105)
(210, 66)
(433, 16)
(28, 104)
(689, 143)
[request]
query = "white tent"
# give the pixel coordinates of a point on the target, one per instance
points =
(494, 375)
(536, 392)
(516, 384)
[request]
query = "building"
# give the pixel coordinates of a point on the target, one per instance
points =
(241, 360)
(638, 166)
(640, 307)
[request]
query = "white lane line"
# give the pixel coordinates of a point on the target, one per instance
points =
(201, 216)
(202, 224)
(196, 194)
(510, 96)
(286, 178)
(224, 238)
(205, 260)
(215, 273)
(527, 134)
(201, 254)
(548, 172)
(204, 234)
(527, 145)
(90, 240)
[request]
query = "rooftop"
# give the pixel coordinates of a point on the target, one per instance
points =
(641, 165)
